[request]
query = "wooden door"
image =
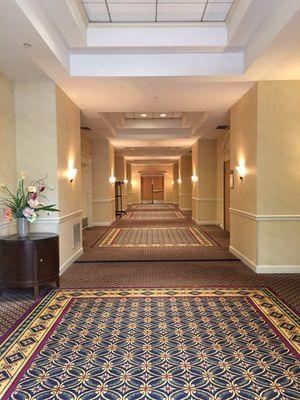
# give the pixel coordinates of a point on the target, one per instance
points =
(227, 195)
(158, 189)
(146, 189)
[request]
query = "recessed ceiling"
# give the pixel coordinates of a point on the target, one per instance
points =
(153, 115)
(157, 10)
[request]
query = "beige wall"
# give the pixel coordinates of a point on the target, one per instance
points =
(120, 167)
(175, 182)
(204, 191)
(278, 189)
(8, 174)
(265, 215)
(135, 183)
(48, 143)
(85, 143)
(68, 153)
(243, 202)
(130, 192)
(103, 160)
(185, 187)
(36, 132)
(223, 154)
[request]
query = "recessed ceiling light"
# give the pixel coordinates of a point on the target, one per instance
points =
(27, 45)
(143, 115)
(163, 115)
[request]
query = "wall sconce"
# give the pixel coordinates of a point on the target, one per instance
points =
(112, 179)
(194, 178)
(172, 182)
(241, 170)
(72, 172)
(179, 180)
(125, 181)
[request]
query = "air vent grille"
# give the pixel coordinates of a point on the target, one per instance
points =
(76, 235)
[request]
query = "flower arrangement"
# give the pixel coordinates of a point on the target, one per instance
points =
(27, 202)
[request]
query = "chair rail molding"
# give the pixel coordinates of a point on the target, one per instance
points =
(265, 217)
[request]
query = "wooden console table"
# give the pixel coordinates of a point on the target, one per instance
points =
(29, 262)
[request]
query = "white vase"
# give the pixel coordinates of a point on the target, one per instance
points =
(22, 227)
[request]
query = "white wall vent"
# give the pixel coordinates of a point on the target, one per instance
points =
(76, 235)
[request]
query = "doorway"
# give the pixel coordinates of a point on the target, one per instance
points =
(152, 189)
(227, 195)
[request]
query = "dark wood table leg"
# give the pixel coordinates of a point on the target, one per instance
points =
(57, 282)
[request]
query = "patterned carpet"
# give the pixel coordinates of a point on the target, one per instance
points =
(154, 215)
(127, 344)
(155, 237)
(94, 339)
(151, 207)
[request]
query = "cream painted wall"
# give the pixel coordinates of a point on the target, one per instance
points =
(103, 160)
(223, 154)
(138, 169)
(36, 132)
(8, 174)
(204, 191)
(86, 177)
(48, 139)
(265, 219)
(130, 192)
(243, 148)
(68, 153)
(185, 187)
(278, 188)
(175, 184)
(120, 167)
(85, 143)
(68, 156)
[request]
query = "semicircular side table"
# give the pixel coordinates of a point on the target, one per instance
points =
(29, 262)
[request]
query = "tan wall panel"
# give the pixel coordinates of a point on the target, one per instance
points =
(8, 173)
(243, 236)
(279, 147)
(279, 243)
(243, 147)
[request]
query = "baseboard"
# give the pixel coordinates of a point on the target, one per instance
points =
(266, 269)
(205, 222)
(243, 258)
(63, 268)
(278, 269)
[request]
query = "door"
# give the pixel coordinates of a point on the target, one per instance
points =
(158, 189)
(227, 195)
(146, 189)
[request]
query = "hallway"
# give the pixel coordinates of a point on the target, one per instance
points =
(155, 234)
(144, 329)
(149, 199)
(159, 267)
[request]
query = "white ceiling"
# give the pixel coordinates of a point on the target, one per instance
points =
(197, 69)
(157, 10)
(153, 115)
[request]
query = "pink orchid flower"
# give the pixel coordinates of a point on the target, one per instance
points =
(8, 214)
(33, 202)
(30, 214)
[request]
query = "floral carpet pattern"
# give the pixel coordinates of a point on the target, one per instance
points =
(159, 215)
(155, 206)
(155, 237)
(163, 344)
